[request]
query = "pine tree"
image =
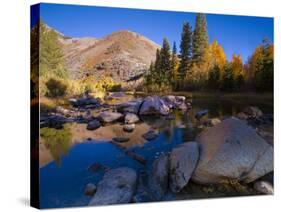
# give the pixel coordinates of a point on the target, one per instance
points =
(165, 62)
(174, 61)
(185, 50)
(200, 38)
(228, 80)
(214, 77)
(51, 55)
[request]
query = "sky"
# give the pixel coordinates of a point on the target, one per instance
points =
(236, 34)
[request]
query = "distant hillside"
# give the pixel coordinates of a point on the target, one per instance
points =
(123, 55)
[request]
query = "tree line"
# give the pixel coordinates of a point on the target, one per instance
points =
(201, 65)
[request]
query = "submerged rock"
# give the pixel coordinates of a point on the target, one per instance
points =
(90, 189)
(263, 187)
(131, 118)
(117, 186)
(150, 135)
(108, 116)
(158, 181)
(129, 127)
(183, 160)
(93, 125)
(153, 105)
(232, 150)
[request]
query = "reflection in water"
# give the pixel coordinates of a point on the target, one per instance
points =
(66, 154)
(56, 141)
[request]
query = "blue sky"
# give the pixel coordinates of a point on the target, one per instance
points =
(237, 34)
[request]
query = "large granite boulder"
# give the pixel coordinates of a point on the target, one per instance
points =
(158, 181)
(232, 150)
(153, 105)
(183, 160)
(117, 186)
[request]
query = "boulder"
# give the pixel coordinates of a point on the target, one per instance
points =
(180, 99)
(129, 127)
(158, 181)
(90, 189)
(150, 135)
(183, 160)
(170, 101)
(262, 166)
(153, 105)
(107, 116)
(129, 107)
(116, 187)
(84, 101)
(175, 102)
(253, 112)
(263, 187)
(232, 150)
(92, 125)
(131, 118)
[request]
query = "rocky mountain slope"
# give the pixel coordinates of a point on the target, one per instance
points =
(122, 55)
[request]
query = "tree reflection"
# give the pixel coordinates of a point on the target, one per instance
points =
(57, 141)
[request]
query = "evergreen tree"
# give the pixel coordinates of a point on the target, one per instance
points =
(265, 74)
(200, 38)
(185, 50)
(165, 62)
(214, 77)
(50, 55)
(174, 62)
(228, 80)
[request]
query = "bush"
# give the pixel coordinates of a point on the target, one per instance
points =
(56, 88)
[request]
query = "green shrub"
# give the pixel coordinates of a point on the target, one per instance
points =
(55, 88)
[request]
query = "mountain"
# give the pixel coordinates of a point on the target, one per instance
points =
(123, 55)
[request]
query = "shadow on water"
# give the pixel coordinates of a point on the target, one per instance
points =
(66, 154)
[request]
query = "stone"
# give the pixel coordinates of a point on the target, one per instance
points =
(129, 107)
(154, 105)
(150, 135)
(108, 116)
(90, 189)
(131, 118)
(183, 160)
(121, 139)
(116, 187)
(232, 150)
(84, 101)
(93, 125)
(158, 181)
(263, 187)
(129, 127)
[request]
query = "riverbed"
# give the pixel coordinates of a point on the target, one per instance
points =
(65, 165)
